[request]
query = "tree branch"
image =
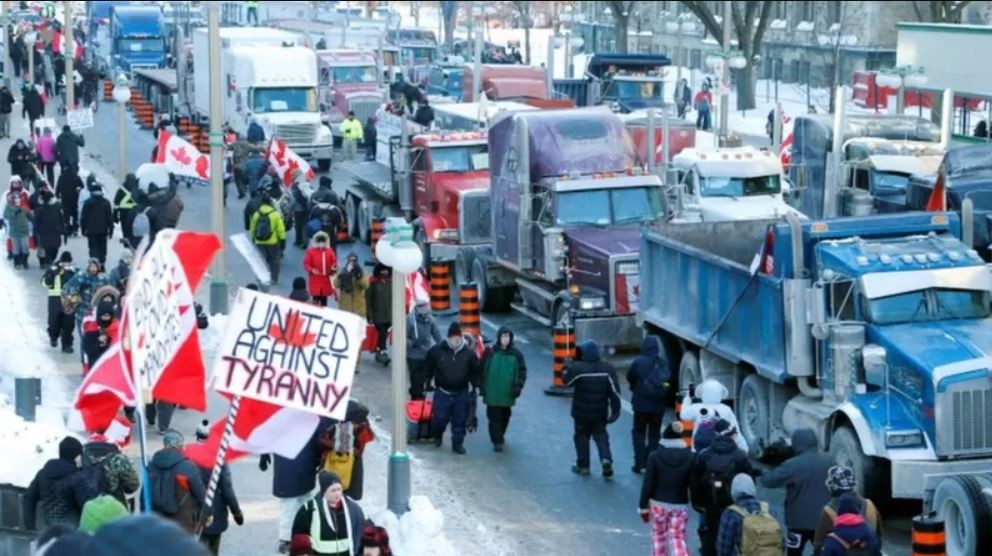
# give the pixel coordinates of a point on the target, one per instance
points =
(759, 32)
(703, 12)
(918, 11)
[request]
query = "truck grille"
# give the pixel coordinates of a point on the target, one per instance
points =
(971, 414)
(297, 133)
(476, 220)
(364, 108)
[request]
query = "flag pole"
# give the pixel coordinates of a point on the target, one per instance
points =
(142, 393)
(208, 500)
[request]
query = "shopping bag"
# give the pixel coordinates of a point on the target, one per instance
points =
(371, 341)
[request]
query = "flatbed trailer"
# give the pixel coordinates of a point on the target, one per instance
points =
(159, 86)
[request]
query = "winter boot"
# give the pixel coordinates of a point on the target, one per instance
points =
(607, 469)
(580, 470)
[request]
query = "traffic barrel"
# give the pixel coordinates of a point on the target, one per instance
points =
(687, 424)
(928, 535)
(204, 145)
(564, 349)
(183, 127)
(108, 90)
(143, 112)
(469, 316)
(378, 230)
(440, 286)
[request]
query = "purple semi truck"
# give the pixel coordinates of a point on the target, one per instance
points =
(567, 207)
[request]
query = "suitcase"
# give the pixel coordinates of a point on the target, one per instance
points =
(418, 421)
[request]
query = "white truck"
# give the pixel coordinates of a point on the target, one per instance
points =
(266, 78)
(742, 183)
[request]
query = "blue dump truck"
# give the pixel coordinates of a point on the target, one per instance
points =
(875, 332)
(624, 82)
(137, 38)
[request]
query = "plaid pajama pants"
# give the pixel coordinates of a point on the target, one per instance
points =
(668, 525)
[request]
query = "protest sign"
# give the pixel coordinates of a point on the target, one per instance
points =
(79, 119)
(288, 353)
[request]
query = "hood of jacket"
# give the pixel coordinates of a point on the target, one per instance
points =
(650, 347)
(104, 291)
(98, 451)
(804, 440)
(167, 458)
(590, 351)
(723, 445)
(499, 334)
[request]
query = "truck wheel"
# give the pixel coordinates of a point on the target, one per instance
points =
(351, 213)
(689, 372)
(323, 164)
(492, 300)
(846, 450)
(967, 515)
(752, 413)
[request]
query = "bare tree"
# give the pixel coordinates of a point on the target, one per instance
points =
(621, 16)
(834, 39)
(939, 11)
(449, 14)
(524, 9)
(750, 21)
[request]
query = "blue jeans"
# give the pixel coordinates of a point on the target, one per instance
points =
(450, 407)
(703, 120)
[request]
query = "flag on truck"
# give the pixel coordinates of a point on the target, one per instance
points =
(285, 162)
(182, 158)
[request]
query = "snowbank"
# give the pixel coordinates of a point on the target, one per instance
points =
(419, 532)
(26, 446)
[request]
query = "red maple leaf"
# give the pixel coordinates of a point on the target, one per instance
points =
(291, 166)
(280, 152)
(203, 166)
(181, 156)
(293, 333)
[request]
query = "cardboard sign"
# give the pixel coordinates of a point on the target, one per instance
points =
(79, 119)
(289, 353)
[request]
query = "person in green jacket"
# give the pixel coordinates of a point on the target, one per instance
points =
(270, 236)
(503, 375)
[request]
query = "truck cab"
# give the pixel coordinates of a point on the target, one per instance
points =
(740, 183)
(876, 173)
(418, 51)
(138, 38)
(348, 82)
(445, 78)
(629, 82)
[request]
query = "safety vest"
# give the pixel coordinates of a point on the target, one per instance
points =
(55, 290)
(127, 202)
(319, 545)
(251, 4)
(351, 129)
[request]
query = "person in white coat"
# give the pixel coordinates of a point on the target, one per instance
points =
(710, 407)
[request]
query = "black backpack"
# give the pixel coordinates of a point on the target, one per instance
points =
(655, 384)
(163, 484)
(853, 548)
(719, 474)
(263, 228)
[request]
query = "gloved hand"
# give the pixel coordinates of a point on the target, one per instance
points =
(472, 424)
(239, 518)
(645, 515)
(263, 462)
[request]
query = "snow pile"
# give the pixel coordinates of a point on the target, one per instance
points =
(26, 446)
(420, 532)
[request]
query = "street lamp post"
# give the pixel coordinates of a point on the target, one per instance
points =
(722, 62)
(122, 94)
(397, 250)
(218, 282)
(70, 59)
(30, 38)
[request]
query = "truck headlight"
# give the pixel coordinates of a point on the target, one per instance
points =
(592, 303)
(446, 234)
(904, 438)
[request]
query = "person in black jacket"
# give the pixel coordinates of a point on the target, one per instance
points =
(425, 114)
(454, 368)
(595, 404)
(60, 323)
(334, 516)
(371, 136)
(19, 158)
(124, 208)
(48, 226)
(59, 487)
(6, 107)
(665, 493)
(224, 499)
(178, 491)
(67, 148)
(255, 201)
(32, 107)
(648, 405)
(715, 469)
(67, 191)
(97, 222)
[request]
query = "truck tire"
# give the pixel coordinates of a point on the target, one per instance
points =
(324, 164)
(846, 450)
(689, 372)
(351, 213)
(752, 413)
(967, 515)
(492, 300)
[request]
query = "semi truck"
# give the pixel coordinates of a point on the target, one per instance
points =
(567, 206)
(418, 51)
(364, 35)
(872, 331)
(268, 79)
(624, 82)
(348, 82)
(136, 38)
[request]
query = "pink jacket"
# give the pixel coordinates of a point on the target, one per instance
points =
(46, 148)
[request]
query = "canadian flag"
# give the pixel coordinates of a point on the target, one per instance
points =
(417, 290)
(259, 428)
(181, 158)
(785, 147)
(105, 388)
(285, 161)
(58, 45)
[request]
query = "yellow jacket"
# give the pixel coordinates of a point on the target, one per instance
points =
(351, 129)
(275, 220)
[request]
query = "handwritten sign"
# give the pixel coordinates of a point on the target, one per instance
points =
(79, 119)
(289, 353)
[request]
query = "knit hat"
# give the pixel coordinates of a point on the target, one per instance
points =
(143, 535)
(69, 448)
(742, 485)
(848, 504)
(65, 257)
(454, 329)
(172, 439)
(92, 262)
(840, 478)
(325, 181)
(673, 431)
(300, 545)
(100, 511)
(203, 431)
(326, 479)
(299, 283)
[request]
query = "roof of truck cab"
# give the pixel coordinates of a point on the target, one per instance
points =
(855, 257)
(487, 110)
(905, 164)
(140, 19)
(280, 65)
(243, 35)
(343, 57)
(738, 162)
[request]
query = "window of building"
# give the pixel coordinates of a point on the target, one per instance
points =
(833, 12)
(805, 11)
(695, 59)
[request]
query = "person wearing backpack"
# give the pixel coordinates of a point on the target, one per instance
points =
(841, 482)
(177, 489)
(665, 492)
(268, 232)
(716, 467)
(851, 535)
(504, 373)
(111, 471)
(746, 526)
(648, 380)
(803, 477)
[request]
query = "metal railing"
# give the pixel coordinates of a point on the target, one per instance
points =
(969, 110)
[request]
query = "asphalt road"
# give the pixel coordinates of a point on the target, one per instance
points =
(525, 496)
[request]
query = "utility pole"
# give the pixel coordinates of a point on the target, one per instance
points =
(218, 284)
(70, 58)
(8, 66)
(725, 77)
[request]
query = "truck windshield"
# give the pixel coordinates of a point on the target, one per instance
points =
(284, 99)
(638, 89)
(354, 74)
(740, 187)
(602, 207)
(460, 159)
(928, 305)
(419, 54)
(890, 180)
(139, 45)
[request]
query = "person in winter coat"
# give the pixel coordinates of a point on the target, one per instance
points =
(745, 496)
(379, 302)
(255, 201)
(371, 137)
(59, 488)
(851, 531)
(321, 264)
(255, 133)
(100, 511)
(120, 273)
(804, 478)
(133, 535)
(326, 213)
(6, 107)
(17, 218)
(648, 378)
(350, 284)
(96, 221)
(375, 541)
(110, 471)
(32, 107)
(425, 114)
(666, 492)
(100, 331)
(178, 491)
(269, 237)
(504, 373)
(45, 147)
(225, 499)
(595, 404)
(841, 483)
(350, 435)
(716, 467)
(253, 168)
(124, 208)
(454, 369)
(683, 96)
(19, 157)
(78, 293)
(703, 103)
(299, 291)
(67, 191)
(67, 148)
(293, 481)
(333, 521)
(300, 203)
(706, 406)
(60, 322)
(48, 226)
(422, 334)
